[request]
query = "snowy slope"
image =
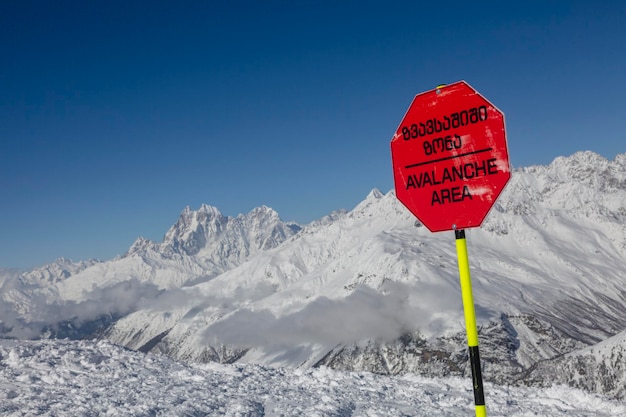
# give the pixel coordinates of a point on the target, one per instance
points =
(17, 288)
(600, 368)
(61, 378)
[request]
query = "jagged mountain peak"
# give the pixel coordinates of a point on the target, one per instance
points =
(584, 184)
(60, 269)
(141, 244)
(189, 234)
(589, 169)
(580, 157)
(209, 211)
(377, 205)
(211, 240)
(189, 217)
(262, 211)
(374, 194)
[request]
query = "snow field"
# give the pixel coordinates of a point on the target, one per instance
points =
(66, 378)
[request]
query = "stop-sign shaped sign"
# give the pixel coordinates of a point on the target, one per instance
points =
(450, 157)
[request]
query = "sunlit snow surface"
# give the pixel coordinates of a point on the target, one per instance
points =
(63, 378)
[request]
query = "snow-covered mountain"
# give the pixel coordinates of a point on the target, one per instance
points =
(217, 239)
(599, 368)
(199, 246)
(57, 271)
(370, 289)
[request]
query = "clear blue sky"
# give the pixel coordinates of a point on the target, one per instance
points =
(115, 115)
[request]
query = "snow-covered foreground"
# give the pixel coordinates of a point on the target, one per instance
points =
(67, 378)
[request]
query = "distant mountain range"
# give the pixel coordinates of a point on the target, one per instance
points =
(367, 289)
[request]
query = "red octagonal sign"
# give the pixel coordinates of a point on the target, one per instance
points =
(450, 157)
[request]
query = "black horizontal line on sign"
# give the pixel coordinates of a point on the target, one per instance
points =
(447, 158)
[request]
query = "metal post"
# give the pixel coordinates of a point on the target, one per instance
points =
(470, 322)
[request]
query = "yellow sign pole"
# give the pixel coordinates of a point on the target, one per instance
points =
(470, 322)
